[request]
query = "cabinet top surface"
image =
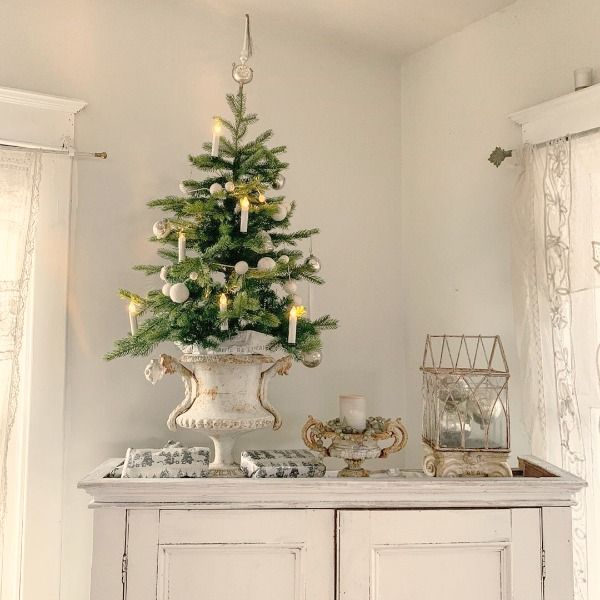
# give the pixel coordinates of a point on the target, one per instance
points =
(536, 483)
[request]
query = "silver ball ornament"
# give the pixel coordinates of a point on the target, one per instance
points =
(215, 188)
(164, 272)
(266, 263)
(229, 186)
(179, 293)
(166, 289)
(279, 182)
(280, 214)
(290, 287)
(312, 359)
(241, 267)
(313, 262)
(162, 228)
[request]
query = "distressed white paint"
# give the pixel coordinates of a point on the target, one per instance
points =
(333, 492)
(229, 541)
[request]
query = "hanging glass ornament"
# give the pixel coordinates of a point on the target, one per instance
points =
(267, 243)
(164, 272)
(242, 73)
(162, 228)
(312, 359)
(279, 182)
(313, 262)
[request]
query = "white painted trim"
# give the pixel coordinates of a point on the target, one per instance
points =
(573, 113)
(38, 100)
(554, 489)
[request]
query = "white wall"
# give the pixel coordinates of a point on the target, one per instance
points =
(153, 73)
(456, 96)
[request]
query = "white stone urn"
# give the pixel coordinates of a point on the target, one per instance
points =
(225, 395)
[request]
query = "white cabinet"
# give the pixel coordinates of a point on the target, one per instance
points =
(481, 554)
(230, 555)
(389, 538)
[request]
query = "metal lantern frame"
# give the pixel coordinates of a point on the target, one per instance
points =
(458, 370)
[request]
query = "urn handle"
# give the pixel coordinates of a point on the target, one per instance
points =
(280, 367)
(166, 364)
(398, 433)
(313, 434)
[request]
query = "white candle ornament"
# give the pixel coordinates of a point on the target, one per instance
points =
(216, 137)
(133, 320)
(222, 309)
(181, 246)
(353, 410)
(292, 326)
(244, 206)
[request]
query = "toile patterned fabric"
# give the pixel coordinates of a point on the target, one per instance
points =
(556, 281)
(281, 463)
(173, 460)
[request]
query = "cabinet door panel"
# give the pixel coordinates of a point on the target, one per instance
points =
(433, 554)
(233, 555)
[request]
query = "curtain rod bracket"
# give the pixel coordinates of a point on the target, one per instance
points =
(498, 156)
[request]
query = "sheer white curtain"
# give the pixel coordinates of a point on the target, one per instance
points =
(19, 190)
(556, 270)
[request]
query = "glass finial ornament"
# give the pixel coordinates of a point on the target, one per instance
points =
(312, 359)
(242, 73)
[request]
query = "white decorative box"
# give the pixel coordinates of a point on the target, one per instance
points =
(171, 461)
(281, 463)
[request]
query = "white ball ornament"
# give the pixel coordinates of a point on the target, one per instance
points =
(284, 259)
(241, 267)
(162, 228)
(218, 277)
(179, 293)
(280, 214)
(164, 272)
(266, 263)
(215, 188)
(290, 287)
(166, 289)
(193, 275)
(229, 186)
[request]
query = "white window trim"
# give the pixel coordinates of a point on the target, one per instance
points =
(31, 119)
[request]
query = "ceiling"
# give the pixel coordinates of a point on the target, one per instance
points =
(397, 27)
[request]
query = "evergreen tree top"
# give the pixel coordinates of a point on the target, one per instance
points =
(223, 298)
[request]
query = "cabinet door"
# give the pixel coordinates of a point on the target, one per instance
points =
(231, 555)
(434, 554)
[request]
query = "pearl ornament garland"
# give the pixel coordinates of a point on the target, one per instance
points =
(266, 263)
(241, 267)
(215, 188)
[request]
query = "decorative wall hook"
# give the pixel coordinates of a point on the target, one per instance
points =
(498, 155)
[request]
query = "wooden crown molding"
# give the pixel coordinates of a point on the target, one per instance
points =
(38, 100)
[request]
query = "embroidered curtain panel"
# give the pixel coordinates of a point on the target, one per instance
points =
(556, 271)
(19, 189)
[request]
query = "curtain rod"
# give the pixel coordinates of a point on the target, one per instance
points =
(68, 150)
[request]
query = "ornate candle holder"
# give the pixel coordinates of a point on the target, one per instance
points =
(354, 447)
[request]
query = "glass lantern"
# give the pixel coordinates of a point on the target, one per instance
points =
(466, 426)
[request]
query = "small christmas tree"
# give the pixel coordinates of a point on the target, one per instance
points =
(233, 264)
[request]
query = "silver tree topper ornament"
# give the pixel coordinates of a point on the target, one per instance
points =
(242, 73)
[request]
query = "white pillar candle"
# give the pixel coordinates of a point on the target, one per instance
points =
(133, 320)
(583, 78)
(222, 309)
(353, 410)
(244, 206)
(216, 136)
(181, 246)
(292, 327)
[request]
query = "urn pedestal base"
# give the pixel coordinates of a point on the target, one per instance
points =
(463, 463)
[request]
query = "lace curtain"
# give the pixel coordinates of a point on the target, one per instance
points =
(556, 271)
(19, 189)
